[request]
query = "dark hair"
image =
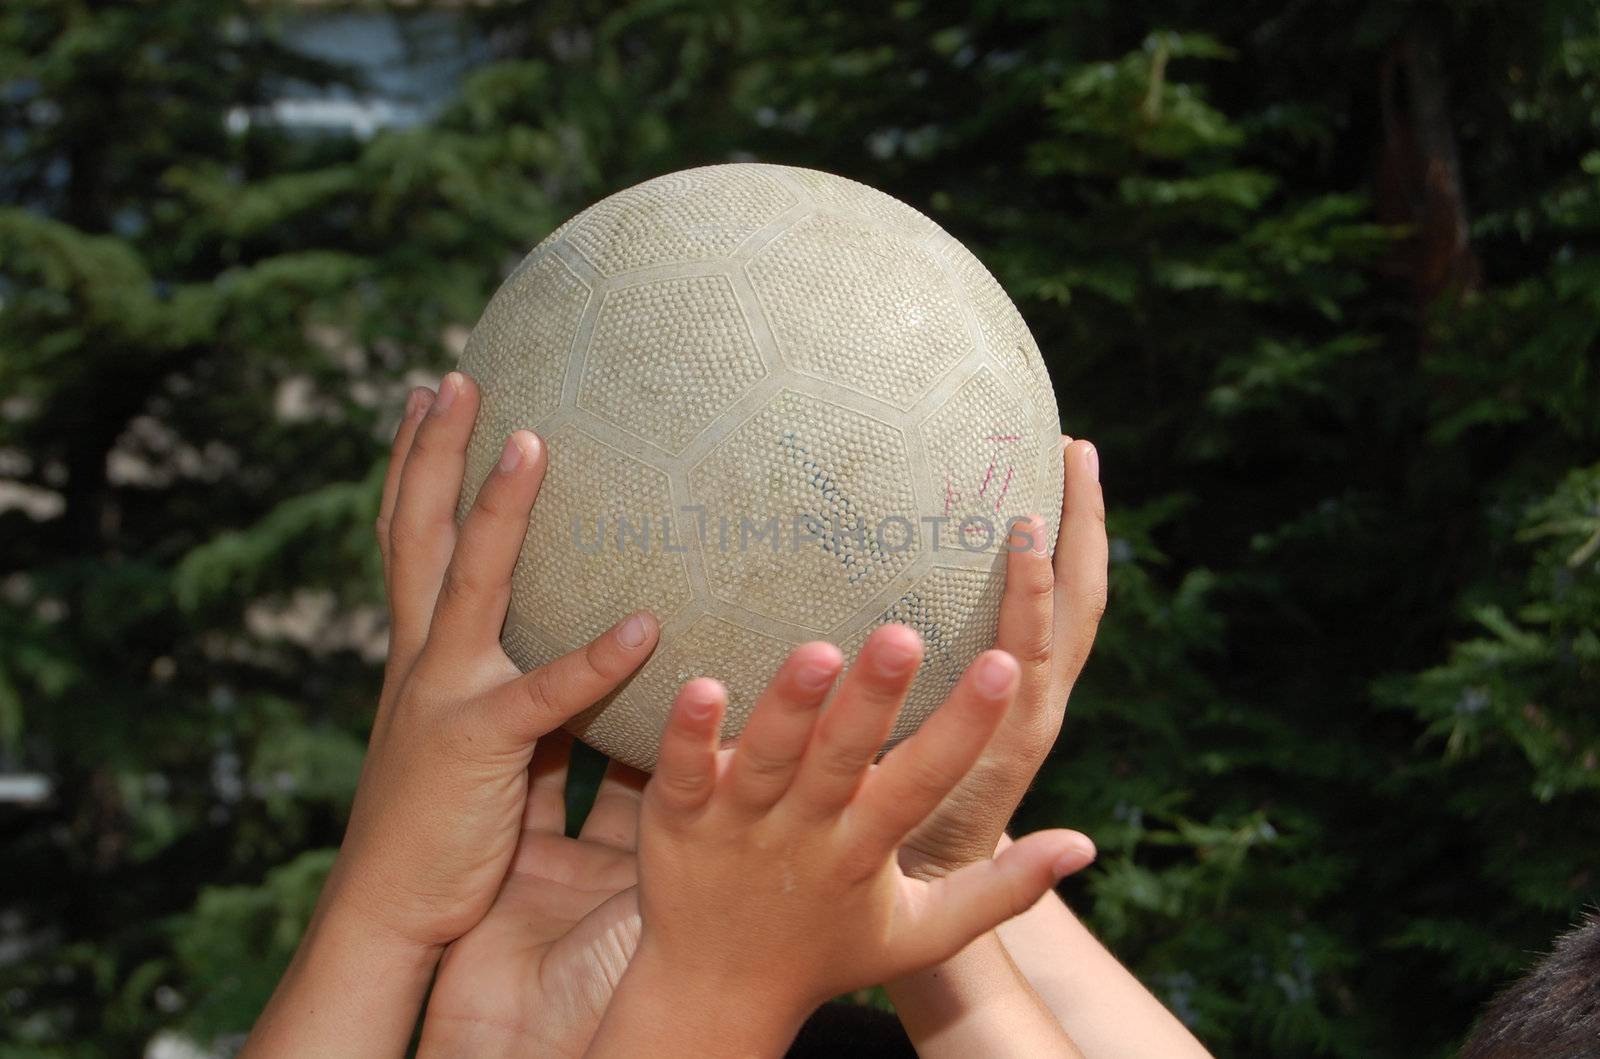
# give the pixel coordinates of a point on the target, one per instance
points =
(838, 1030)
(1552, 1012)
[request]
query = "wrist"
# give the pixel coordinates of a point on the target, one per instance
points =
(759, 1005)
(692, 1008)
(351, 989)
(444, 1038)
(359, 958)
(977, 1003)
(359, 907)
(343, 920)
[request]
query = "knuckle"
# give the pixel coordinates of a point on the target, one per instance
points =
(763, 766)
(1095, 597)
(678, 785)
(1017, 893)
(1034, 646)
(860, 863)
(1030, 582)
(603, 660)
(843, 762)
(1038, 725)
(1028, 571)
(883, 693)
(424, 442)
(684, 782)
(405, 535)
(459, 585)
(768, 841)
(924, 778)
(536, 692)
(1037, 580)
(491, 504)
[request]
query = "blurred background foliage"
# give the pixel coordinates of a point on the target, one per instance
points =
(1322, 280)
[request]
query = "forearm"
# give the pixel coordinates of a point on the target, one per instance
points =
(1103, 1006)
(468, 1039)
(671, 1013)
(978, 1003)
(350, 991)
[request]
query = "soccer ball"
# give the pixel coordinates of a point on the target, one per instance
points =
(779, 406)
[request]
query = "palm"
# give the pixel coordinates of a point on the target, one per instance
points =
(538, 971)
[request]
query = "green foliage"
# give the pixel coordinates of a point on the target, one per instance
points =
(239, 940)
(1337, 743)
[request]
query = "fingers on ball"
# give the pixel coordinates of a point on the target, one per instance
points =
(858, 720)
(686, 769)
(918, 774)
(774, 739)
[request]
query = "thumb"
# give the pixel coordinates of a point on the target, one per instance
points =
(540, 701)
(967, 903)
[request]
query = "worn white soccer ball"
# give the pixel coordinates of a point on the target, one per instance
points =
(780, 406)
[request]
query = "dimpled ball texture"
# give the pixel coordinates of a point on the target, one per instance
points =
(780, 406)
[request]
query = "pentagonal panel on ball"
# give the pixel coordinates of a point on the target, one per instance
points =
(808, 510)
(742, 658)
(1005, 333)
(518, 352)
(597, 547)
(694, 215)
(836, 192)
(853, 303)
(667, 357)
(983, 451)
(527, 648)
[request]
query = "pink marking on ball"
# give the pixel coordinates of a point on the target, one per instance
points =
(1004, 486)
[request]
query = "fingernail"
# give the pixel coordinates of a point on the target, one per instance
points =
(1091, 459)
(993, 676)
(814, 676)
(449, 389)
(702, 702)
(415, 402)
(1023, 535)
(633, 631)
(1041, 538)
(894, 659)
(511, 455)
(1079, 854)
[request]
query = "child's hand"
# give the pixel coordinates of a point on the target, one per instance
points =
(534, 977)
(439, 807)
(1048, 618)
(440, 804)
(768, 873)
